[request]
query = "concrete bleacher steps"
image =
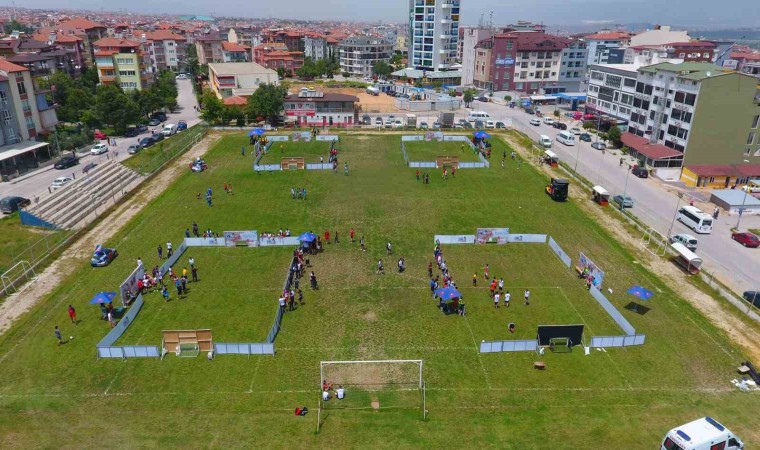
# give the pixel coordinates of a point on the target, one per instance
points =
(74, 205)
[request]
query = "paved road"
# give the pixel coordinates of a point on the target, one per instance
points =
(38, 182)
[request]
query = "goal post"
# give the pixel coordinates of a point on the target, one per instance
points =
(373, 385)
(18, 277)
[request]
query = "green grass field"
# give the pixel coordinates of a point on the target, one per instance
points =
(623, 398)
(310, 151)
(429, 151)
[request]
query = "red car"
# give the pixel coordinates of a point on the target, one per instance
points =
(746, 239)
(100, 135)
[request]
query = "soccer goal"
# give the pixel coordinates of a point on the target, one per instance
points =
(18, 277)
(370, 385)
(654, 242)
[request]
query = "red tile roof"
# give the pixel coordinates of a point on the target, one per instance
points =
(59, 38)
(80, 23)
(235, 101)
(232, 47)
(722, 170)
(608, 36)
(692, 44)
(7, 66)
(115, 42)
(746, 56)
(327, 97)
(642, 145)
(164, 35)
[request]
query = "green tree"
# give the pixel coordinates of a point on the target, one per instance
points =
(77, 101)
(396, 59)
(114, 107)
(281, 72)
(191, 58)
(266, 101)
(468, 96)
(15, 25)
(382, 69)
(309, 70)
(211, 107)
(147, 101)
(614, 135)
(165, 87)
(88, 79)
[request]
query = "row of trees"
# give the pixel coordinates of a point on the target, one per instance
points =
(265, 103)
(83, 100)
(314, 69)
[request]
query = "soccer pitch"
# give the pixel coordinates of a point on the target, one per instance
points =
(310, 151)
(430, 150)
(628, 398)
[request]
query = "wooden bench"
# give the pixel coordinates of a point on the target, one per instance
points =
(579, 270)
(540, 365)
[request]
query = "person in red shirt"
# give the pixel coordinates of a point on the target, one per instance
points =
(72, 315)
(140, 286)
(351, 233)
(327, 237)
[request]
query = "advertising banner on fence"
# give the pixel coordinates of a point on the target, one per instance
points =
(593, 270)
(246, 238)
(492, 236)
(130, 284)
(527, 238)
(301, 136)
(437, 135)
(454, 239)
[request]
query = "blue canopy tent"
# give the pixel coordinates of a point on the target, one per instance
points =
(257, 132)
(448, 293)
(307, 237)
(480, 134)
(103, 297)
(640, 293)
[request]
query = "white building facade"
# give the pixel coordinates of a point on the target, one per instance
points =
(360, 53)
(433, 34)
(470, 39)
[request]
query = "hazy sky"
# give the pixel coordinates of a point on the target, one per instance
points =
(731, 13)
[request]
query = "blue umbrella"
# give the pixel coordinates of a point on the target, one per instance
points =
(448, 293)
(480, 134)
(307, 237)
(103, 297)
(640, 292)
(257, 132)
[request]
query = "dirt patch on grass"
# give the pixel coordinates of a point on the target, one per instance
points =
(720, 315)
(65, 265)
(370, 316)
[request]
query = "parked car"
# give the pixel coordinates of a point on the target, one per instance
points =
(548, 120)
(154, 122)
(66, 162)
(423, 125)
(490, 124)
(61, 181)
(753, 297)
(181, 125)
(181, 76)
(99, 135)
(157, 137)
(134, 148)
(88, 167)
(99, 149)
(559, 125)
(576, 131)
(13, 203)
(131, 132)
(103, 256)
(624, 201)
(640, 172)
(535, 122)
(378, 120)
(585, 137)
(500, 125)
(467, 125)
(198, 165)
(530, 111)
(599, 145)
(159, 115)
(146, 142)
(436, 125)
(483, 99)
(479, 124)
(746, 239)
(686, 240)
(398, 124)
(141, 129)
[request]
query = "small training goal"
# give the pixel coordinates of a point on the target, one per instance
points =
(376, 386)
(18, 277)
(186, 343)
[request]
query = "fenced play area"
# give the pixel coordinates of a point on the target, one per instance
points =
(436, 150)
(299, 151)
(224, 355)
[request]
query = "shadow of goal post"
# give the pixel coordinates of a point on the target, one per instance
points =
(366, 380)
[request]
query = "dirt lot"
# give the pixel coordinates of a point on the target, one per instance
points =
(369, 103)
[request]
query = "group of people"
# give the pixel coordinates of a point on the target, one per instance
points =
(281, 234)
(496, 289)
(586, 275)
(208, 195)
(196, 232)
(327, 389)
(296, 193)
(425, 177)
(455, 305)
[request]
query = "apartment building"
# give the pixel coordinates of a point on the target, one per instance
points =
(24, 114)
(319, 47)
(275, 55)
(167, 50)
(239, 79)
(526, 62)
(358, 54)
(695, 51)
(72, 44)
(605, 47)
(209, 49)
(469, 38)
(122, 62)
(572, 70)
(688, 121)
(659, 35)
(245, 36)
(232, 52)
(88, 31)
(313, 108)
(42, 58)
(433, 34)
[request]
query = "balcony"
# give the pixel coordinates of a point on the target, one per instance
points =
(107, 78)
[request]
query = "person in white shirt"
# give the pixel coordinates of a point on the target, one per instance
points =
(139, 262)
(527, 297)
(325, 396)
(507, 295)
(496, 300)
(340, 393)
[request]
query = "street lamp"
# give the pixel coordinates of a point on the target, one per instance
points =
(625, 187)
(744, 202)
(672, 222)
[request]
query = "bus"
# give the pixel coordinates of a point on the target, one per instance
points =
(696, 219)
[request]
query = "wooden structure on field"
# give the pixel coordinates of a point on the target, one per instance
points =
(447, 161)
(292, 164)
(193, 341)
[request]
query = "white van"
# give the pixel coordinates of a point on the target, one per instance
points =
(696, 219)
(478, 115)
(566, 138)
(170, 129)
(702, 434)
(545, 141)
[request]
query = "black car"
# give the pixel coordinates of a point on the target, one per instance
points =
(753, 297)
(131, 132)
(529, 111)
(147, 142)
(483, 99)
(13, 203)
(160, 116)
(640, 172)
(66, 162)
(141, 129)
(154, 122)
(157, 137)
(560, 125)
(585, 137)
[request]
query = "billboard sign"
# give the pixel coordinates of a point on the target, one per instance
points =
(505, 62)
(243, 238)
(492, 236)
(593, 270)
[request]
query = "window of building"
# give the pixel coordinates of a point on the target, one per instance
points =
(29, 122)
(3, 98)
(127, 73)
(21, 87)
(629, 82)
(750, 137)
(613, 81)
(755, 121)
(6, 116)
(25, 105)
(12, 135)
(509, 45)
(519, 86)
(681, 116)
(599, 76)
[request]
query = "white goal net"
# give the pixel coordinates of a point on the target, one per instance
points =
(371, 385)
(18, 277)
